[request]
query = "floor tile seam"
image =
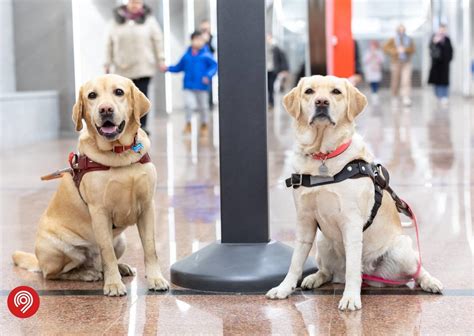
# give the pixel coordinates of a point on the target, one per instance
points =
(321, 292)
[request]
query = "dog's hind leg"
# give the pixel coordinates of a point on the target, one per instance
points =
(428, 282)
(88, 263)
(51, 264)
(58, 266)
(401, 261)
(61, 260)
(325, 259)
(120, 245)
(82, 274)
(51, 258)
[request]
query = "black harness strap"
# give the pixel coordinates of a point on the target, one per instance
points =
(354, 169)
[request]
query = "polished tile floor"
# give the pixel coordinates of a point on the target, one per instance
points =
(428, 150)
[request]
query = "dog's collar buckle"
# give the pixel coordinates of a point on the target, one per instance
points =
(135, 146)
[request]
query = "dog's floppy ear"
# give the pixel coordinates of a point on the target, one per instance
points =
(78, 111)
(356, 101)
(140, 104)
(291, 101)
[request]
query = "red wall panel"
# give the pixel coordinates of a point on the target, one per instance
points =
(340, 44)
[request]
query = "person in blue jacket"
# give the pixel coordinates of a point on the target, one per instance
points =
(199, 66)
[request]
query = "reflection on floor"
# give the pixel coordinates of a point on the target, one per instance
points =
(427, 149)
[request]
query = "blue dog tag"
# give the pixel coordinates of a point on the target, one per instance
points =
(137, 148)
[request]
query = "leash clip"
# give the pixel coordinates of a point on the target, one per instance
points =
(73, 160)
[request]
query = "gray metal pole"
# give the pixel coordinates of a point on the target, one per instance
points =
(317, 36)
(245, 260)
(242, 121)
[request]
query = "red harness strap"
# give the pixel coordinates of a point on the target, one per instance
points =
(82, 164)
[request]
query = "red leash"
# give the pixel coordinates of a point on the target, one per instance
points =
(418, 270)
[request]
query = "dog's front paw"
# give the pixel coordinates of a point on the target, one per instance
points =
(158, 284)
(280, 292)
(126, 270)
(350, 301)
(314, 280)
(431, 284)
(115, 289)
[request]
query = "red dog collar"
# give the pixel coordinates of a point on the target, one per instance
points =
(121, 149)
(339, 150)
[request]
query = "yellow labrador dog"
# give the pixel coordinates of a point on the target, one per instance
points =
(324, 109)
(80, 235)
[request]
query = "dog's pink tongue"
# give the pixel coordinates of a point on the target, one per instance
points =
(108, 129)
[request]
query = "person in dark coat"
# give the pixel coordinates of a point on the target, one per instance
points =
(276, 63)
(441, 52)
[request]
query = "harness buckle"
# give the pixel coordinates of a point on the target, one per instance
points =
(296, 180)
(401, 205)
(73, 160)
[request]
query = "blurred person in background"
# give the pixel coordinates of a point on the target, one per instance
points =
(357, 77)
(205, 29)
(400, 49)
(134, 46)
(277, 64)
(199, 66)
(441, 52)
(373, 61)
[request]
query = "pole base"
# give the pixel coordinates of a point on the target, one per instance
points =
(236, 267)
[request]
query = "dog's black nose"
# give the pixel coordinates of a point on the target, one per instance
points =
(322, 102)
(106, 109)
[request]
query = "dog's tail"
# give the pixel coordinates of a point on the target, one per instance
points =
(25, 260)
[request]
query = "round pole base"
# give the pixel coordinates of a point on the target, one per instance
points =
(236, 267)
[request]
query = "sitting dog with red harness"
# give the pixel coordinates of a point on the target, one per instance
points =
(110, 186)
(339, 190)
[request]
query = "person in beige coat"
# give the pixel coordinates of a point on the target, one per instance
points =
(134, 46)
(400, 49)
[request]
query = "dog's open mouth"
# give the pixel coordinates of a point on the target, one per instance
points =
(110, 130)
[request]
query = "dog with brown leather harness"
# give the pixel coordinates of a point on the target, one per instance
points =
(109, 186)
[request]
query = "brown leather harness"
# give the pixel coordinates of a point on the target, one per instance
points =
(82, 164)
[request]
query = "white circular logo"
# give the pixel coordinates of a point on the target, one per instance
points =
(23, 299)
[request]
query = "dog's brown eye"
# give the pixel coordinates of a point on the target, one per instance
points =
(309, 91)
(92, 95)
(118, 92)
(336, 91)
